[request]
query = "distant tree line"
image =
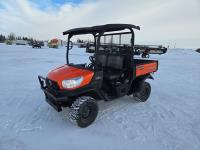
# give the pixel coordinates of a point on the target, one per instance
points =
(12, 37)
(2, 38)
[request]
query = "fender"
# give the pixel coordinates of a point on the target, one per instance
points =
(136, 84)
(149, 76)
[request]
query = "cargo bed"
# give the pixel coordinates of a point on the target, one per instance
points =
(145, 66)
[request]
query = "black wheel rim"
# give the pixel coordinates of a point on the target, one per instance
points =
(86, 112)
(144, 92)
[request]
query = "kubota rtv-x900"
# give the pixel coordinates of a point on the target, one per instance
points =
(111, 72)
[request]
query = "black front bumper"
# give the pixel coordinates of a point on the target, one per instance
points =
(51, 98)
(57, 97)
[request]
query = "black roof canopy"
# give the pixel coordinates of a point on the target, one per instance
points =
(100, 28)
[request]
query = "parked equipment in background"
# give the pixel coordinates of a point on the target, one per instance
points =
(9, 42)
(146, 50)
(113, 72)
(21, 42)
(37, 44)
(55, 43)
(198, 50)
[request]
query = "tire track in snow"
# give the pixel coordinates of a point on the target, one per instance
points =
(109, 107)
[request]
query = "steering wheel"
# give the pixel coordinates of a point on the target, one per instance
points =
(91, 65)
(70, 45)
(91, 58)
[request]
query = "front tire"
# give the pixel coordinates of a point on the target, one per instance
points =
(83, 111)
(143, 93)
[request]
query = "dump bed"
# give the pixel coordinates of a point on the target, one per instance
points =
(144, 66)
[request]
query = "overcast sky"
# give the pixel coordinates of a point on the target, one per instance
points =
(162, 21)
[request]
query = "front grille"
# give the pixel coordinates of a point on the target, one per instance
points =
(52, 84)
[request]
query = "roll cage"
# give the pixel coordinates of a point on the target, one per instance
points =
(98, 32)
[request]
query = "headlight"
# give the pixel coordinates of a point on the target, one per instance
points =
(72, 83)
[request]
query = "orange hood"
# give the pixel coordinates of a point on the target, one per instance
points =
(67, 72)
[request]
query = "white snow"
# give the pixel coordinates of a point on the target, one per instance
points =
(169, 120)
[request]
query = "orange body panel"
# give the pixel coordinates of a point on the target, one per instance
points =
(143, 69)
(67, 72)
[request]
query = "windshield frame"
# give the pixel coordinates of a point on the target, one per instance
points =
(97, 39)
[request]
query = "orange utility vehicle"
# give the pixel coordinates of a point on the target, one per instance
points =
(112, 72)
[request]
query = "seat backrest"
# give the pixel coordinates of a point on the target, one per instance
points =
(115, 61)
(102, 59)
(111, 61)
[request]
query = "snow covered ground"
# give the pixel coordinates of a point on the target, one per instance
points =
(169, 120)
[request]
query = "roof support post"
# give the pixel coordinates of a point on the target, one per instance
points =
(67, 52)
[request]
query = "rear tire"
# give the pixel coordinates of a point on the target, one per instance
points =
(143, 93)
(83, 111)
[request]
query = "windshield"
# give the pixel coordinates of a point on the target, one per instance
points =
(79, 54)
